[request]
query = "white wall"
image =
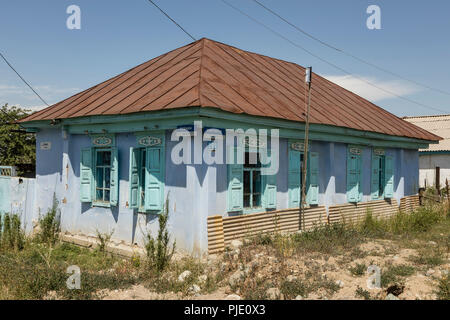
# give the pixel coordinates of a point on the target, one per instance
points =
(427, 169)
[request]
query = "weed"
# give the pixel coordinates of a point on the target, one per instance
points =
(291, 289)
(393, 274)
(103, 240)
(361, 293)
(50, 224)
(443, 292)
(158, 250)
(358, 270)
(12, 236)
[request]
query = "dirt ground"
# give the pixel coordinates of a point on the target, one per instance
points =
(332, 273)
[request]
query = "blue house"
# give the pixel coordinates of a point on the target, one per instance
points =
(114, 153)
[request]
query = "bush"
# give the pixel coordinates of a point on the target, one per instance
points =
(50, 225)
(443, 292)
(158, 250)
(291, 289)
(327, 238)
(103, 240)
(358, 270)
(12, 236)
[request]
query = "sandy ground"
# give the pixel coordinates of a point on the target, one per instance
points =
(420, 285)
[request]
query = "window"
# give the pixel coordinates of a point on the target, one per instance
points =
(248, 189)
(296, 162)
(354, 177)
(146, 179)
(252, 182)
(99, 180)
(102, 175)
(382, 175)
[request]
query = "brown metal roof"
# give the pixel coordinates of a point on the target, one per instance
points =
(207, 73)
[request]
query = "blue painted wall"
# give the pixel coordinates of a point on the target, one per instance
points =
(195, 191)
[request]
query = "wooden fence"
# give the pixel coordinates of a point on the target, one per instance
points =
(222, 230)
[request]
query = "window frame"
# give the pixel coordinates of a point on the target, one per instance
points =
(95, 201)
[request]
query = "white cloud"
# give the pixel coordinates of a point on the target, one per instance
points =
(360, 87)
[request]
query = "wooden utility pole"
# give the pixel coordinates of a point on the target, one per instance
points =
(308, 77)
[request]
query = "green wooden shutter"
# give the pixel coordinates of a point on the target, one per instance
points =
(114, 192)
(353, 170)
(294, 178)
(134, 177)
(154, 179)
(389, 178)
(235, 193)
(86, 177)
(270, 189)
(375, 177)
(312, 197)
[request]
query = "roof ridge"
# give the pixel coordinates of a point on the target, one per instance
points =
(202, 53)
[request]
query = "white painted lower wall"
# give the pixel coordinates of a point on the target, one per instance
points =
(427, 169)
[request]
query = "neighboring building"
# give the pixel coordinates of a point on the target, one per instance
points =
(434, 161)
(106, 152)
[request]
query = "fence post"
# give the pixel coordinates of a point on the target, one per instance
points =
(421, 190)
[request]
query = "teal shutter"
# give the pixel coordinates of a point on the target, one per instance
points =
(114, 192)
(270, 189)
(389, 178)
(134, 177)
(353, 177)
(86, 177)
(312, 196)
(235, 193)
(154, 179)
(375, 177)
(294, 178)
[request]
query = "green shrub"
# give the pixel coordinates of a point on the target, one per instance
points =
(50, 224)
(158, 250)
(361, 293)
(291, 289)
(103, 240)
(358, 270)
(443, 292)
(12, 236)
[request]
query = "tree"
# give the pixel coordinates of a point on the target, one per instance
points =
(17, 148)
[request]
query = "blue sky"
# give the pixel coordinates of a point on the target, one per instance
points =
(117, 35)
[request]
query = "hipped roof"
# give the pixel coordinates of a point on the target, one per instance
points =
(207, 73)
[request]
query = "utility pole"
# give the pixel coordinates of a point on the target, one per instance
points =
(308, 76)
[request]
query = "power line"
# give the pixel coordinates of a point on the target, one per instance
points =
(29, 86)
(330, 63)
(172, 20)
(348, 53)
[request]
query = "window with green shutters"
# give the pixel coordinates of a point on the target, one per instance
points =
(146, 181)
(248, 189)
(354, 176)
(295, 167)
(99, 176)
(382, 180)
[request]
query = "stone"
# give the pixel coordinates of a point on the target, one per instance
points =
(232, 297)
(184, 275)
(273, 293)
(432, 243)
(291, 278)
(340, 283)
(390, 296)
(236, 278)
(430, 272)
(236, 244)
(202, 278)
(299, 297)
(194, 289)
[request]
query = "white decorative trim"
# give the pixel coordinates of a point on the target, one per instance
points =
(254, 143)
(102, 141)
(299, 146)
(379, 152)
(354, 150)
(149, 141)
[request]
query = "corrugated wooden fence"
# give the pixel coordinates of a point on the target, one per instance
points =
(222, 230)
(408, 204)
(353, 212)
